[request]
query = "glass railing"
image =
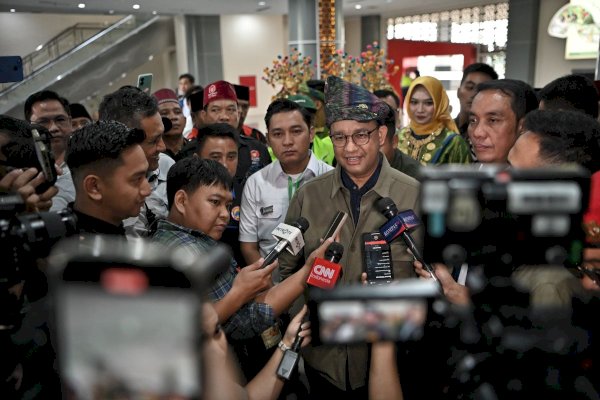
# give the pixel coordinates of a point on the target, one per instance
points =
(65, 53)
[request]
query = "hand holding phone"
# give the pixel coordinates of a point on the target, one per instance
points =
(144, 83)
(335, 226)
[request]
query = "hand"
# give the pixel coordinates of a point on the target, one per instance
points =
(295, 323)
(253, 279)
(319, 252)
(363, 278)
(454, 292)
(24, 183)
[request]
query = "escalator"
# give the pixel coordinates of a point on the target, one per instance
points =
(83, 59)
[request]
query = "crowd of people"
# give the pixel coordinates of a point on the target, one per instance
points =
(181, 167)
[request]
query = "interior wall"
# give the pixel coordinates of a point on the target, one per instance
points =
(251, 43)
(21, 33)
(353, 36)
(550, 61)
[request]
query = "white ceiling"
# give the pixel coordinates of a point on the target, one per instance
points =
(215, 7)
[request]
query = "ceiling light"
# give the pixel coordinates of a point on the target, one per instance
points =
(81, 5)
(154, 12)
(151, 57)
(111, 11)
(124, 75)
(136, 6)
(358, 6)
(262, 3)
(58, 78)
(41, 46)
(13, 10)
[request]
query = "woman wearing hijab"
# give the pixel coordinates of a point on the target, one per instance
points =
(431, 137)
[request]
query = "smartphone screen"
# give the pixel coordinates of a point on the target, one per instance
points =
(145, 82)
(377, 258)
(123, 346)
(371, 320)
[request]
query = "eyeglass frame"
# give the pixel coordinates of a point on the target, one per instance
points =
(47, 122)
(368, 133)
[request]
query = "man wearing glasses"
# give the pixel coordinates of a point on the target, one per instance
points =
(363, 175)
(48, 109)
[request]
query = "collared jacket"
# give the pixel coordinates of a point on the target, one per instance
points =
(317, 201)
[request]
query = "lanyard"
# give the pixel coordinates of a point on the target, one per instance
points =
(293, 186)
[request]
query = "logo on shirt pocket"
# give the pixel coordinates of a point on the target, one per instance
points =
(235, 213)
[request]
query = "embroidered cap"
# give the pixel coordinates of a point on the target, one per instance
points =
(165, 96)
(304, 101)
(347, 101)
(220, 90)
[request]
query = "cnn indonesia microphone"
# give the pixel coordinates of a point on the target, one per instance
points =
(325, 272)
(400, 224)
(288, 237)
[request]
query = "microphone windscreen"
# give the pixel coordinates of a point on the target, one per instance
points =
(334, 252)
(302, 224)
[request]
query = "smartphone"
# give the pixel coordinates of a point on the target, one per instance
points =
(45, 161)
(377, 258)
(11, 69)
(359, 314)
(127, 322)
(336, 225)
(144, 82)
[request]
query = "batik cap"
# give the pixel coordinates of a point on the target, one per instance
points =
(220, 90)
(304, 101)
(347, 101)
(165, 95)
(591, 219)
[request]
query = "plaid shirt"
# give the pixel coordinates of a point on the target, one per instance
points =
(252, 318)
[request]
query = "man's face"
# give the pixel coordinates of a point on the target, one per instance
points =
(173, 112)
(224, 111)
(358, 161)
(243, 107)
(290, 139)
(184, 85)
(493, 126)
(153, 144)
(124, 191)
(206, 209)
(223, 150)
(525, 153)
(466, 91)
(80, 122)
(52, 115)
(390, 101)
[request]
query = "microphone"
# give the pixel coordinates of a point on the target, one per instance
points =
(400, 224)
(325, 272)
(288, 237)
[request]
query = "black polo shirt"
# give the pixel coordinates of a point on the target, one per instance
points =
(357, 193)
(88, 224)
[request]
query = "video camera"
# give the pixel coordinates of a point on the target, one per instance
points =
(127, 316)
(502, 218)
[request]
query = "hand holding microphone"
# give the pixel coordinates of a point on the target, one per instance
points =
(325, 272)
(399, 225)
(288, 237)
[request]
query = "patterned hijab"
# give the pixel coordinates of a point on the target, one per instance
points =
(441, 114)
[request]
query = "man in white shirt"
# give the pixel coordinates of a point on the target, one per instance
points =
(268, 192)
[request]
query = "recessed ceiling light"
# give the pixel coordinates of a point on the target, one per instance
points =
(58, 78)
(262, 3)
(111, 11)
(136, 6)
(13, 10)
(124, 75)
(358, 6)
(41, 46)
(81, 5)
(151, 57)
(154, 12)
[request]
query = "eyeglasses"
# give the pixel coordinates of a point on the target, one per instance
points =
(359, 138)
(61, 121)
